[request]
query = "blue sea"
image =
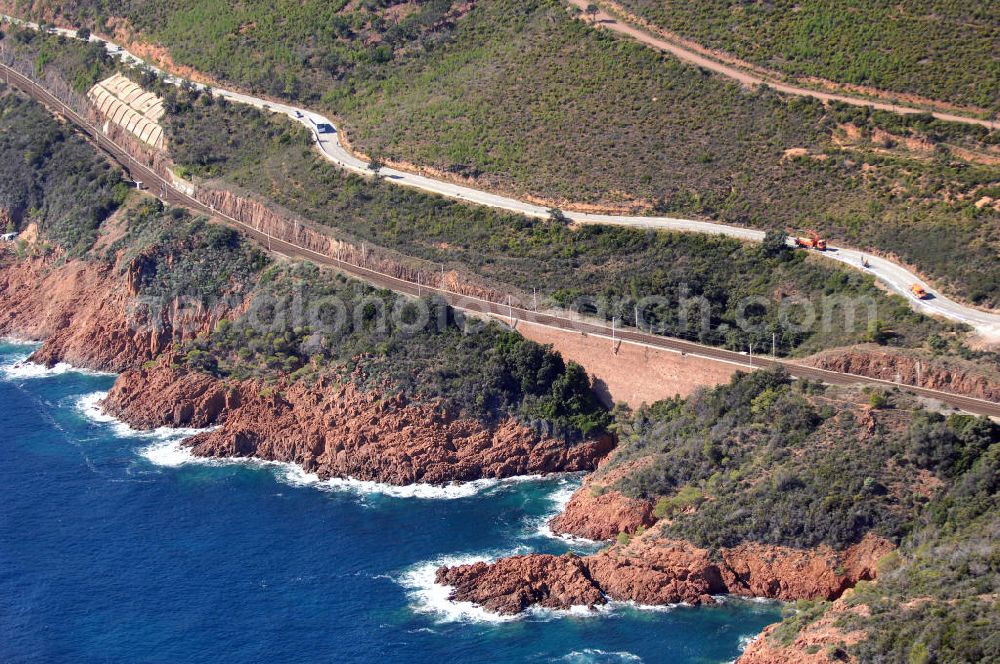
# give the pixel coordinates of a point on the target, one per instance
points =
(116, 546)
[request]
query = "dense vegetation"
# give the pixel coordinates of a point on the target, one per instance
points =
(603, 270)
(524, 98)
(171, 259)
(172, 255)
(936, 597)
(378, 340)
(49, 176)
(940, 49)
(936, 601)
(763, 460)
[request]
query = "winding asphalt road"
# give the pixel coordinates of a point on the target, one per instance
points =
(895, 277)
(509, 313)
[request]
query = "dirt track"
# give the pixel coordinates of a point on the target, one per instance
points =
(749, 79)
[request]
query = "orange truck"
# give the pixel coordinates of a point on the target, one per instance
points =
(811, 241)
(918, 291)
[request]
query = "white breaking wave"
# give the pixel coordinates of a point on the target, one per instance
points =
(295, 475)
(746, 640)
(168, 451)
(21, 369)
(15, 340)
(559, 499)
(427, 596)
(588, 655)
(88, 406)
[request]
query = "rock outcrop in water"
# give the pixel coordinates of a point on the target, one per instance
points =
(658, 571)
(334, 430)
(514, 584)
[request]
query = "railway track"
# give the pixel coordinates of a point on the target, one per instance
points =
(508, 312)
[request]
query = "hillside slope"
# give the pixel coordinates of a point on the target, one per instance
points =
(937, 49)
(521, 97)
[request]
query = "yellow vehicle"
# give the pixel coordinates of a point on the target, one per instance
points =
(812, 241)
(918, 291)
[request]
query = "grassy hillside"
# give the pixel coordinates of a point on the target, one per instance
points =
(527, 100)
(940, 49)
(612, 268)
(286, 48)
(768, 461)
(524, 98)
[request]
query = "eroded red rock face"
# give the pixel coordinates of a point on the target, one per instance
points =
(658, 571)
(88, 316)
(335, 430)
(601, 515)
(897, 366)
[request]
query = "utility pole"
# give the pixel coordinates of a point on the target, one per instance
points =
(510, 310)
(613, 320)
(774, 345)
(637, 318)
(534, 299)
(751, 357)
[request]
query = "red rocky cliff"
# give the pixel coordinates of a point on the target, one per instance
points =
(88, 315)
(597, 513)
(950, 375)
(334, 430)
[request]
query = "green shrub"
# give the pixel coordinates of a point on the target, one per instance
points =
(940, 49)
(51, 176)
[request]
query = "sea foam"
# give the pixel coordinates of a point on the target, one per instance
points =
(168, 451)
(427, 596)
(88, 405)
(597, 656)
(559, 499)
(22, 369)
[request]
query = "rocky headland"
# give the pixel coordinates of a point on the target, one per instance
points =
(653, 570)
(105, 313)
(335, 430)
